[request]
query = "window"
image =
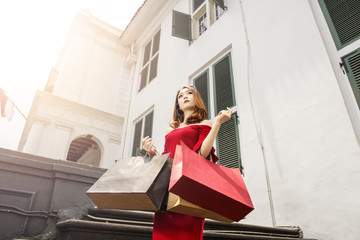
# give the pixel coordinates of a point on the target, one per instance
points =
(202, 24)
(352, 63)
(343, 19)
(197, 4)
(216, 87)
(143, 128)
(202, 85)
(223, 84)
(150, 61)
(204, 14)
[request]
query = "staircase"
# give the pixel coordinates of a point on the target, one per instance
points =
(106, 224)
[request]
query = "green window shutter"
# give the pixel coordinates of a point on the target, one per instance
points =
(224, 94)
(352, 66)
(220, 3)
(228, 144)
(202, 85)
(156, 43)
(137, 137)
(153, 68)
(181, 25)
(196, 4)
(148, 124)
(343, 18)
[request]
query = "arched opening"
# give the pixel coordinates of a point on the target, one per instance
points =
(84, 150)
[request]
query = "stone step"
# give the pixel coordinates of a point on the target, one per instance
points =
(83, 229)
(122, 224)
(111, 215)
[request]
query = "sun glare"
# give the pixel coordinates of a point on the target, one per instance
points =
(33, 33)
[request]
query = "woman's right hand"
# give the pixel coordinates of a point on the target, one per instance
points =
(147, 144)
(223, 116)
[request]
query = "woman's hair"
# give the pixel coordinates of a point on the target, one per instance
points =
(198, 114)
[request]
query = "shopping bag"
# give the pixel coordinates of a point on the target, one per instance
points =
(135, 183)
(209, 185)
(180, 205)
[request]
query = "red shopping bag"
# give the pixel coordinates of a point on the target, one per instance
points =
(209, 185)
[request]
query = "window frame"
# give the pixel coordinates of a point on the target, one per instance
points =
(334, 33)
(228, 55)
(142, 119)
(211, 92)
(149, 63)
(350, 74)
(186, 26)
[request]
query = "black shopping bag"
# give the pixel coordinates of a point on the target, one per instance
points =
(135, 183)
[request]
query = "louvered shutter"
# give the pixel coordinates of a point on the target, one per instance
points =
(224, 94)
(343, 18)
(137, 136)
(352, 65)
(196, 4)
(201, 84)
(220, 3)
(181, 25)
(148, 124)
(228, 144)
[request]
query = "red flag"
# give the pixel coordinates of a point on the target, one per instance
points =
(6, 106)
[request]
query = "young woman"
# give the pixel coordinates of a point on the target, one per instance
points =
(190, 126)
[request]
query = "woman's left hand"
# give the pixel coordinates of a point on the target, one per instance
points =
(223, 116)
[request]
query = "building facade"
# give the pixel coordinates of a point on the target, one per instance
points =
(289, 72)
(80, 114)
(295, 128)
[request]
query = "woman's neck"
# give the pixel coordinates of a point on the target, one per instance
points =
(187, 114)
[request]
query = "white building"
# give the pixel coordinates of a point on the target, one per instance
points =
(80, 115)
(296, 124)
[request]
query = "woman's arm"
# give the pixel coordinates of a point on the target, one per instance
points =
(147, 143)
(208, 142)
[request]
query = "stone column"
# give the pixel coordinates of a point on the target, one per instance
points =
(112, 152)
(60, 141)
(35, 134)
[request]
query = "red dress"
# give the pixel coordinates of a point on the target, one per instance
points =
(176, 226)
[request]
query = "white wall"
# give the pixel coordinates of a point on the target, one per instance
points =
(90, 94)
(55, 122)
(309, 142)
(92, 68)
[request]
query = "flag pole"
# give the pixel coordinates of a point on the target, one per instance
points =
(16, 107)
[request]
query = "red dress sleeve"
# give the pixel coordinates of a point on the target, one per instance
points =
(203, 132)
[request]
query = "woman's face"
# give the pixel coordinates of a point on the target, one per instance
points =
(186, 99)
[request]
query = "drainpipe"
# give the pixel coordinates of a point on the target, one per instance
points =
(258, 130)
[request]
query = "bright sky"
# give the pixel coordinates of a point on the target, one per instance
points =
(32, 34)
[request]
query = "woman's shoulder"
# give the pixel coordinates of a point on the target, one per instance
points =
(168, 130)
(205, 122)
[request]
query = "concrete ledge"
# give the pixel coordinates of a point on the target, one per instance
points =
(77, 229)
(30, 184)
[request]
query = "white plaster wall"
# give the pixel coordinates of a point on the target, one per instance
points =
(92, 69)
(55, 122)
(161, 91)
(309, 143)
(177, 62)
(94, 76)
